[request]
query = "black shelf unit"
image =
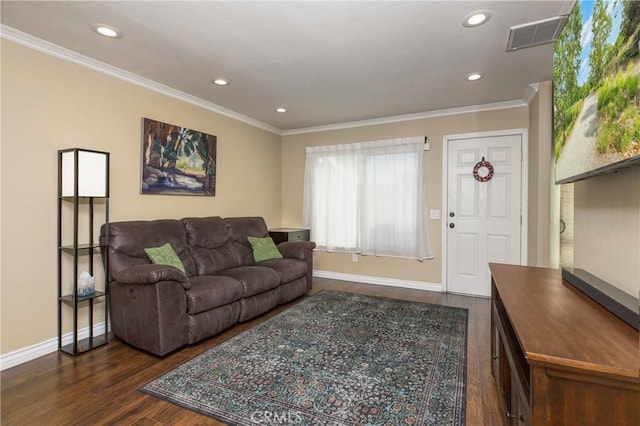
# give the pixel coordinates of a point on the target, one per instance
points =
(71, 190)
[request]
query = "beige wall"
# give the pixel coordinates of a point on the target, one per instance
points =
(50, 104)
(607, 228)
(430, 271)
(540, 229)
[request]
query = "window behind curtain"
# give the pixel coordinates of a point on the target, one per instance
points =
(367, 198)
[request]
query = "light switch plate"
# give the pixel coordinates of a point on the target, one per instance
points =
(434, 214)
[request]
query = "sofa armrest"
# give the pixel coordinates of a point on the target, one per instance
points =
(296, 249)
(152, 317)
(302, 250)
(152, 274)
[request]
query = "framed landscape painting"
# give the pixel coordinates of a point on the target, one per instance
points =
(177, 160)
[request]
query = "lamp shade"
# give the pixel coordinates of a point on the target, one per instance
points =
(85, 170)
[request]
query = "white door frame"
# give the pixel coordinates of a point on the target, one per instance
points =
(446, 139)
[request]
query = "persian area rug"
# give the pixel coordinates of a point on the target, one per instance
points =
(333, 359)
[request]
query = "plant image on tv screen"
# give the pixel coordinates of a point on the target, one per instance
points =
(596, 83)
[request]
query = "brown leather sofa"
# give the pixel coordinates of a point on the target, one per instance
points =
(158, 308)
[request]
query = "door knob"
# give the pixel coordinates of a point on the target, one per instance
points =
(451, 214)
(451, 225)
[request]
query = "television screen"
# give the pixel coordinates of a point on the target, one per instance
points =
(596, 89)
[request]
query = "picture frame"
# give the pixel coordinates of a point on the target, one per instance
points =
(177, 160)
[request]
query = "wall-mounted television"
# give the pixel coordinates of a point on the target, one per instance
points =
(596, 90)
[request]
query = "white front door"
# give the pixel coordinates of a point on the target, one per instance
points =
(483, 212)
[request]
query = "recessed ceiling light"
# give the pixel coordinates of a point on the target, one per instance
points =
(476, 18)
(220, 82)
(474, 76)
(281, 110)
(106, 30)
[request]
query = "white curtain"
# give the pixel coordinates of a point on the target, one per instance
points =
(368, 198)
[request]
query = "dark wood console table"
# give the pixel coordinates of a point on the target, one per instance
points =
(558, 357)
(280, 235)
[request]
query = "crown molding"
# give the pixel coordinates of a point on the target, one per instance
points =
(408, 117)
(51, 49)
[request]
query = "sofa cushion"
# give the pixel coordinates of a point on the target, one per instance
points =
(254, 279)
(242, 227)
(211, 291)
(239, 229)
(288, 269)
(164, 255)
(127, 241)
(211, 247)
(263, 249)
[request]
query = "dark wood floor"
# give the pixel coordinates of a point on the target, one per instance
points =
(100, 387)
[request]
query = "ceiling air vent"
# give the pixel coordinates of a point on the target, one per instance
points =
(535, 33)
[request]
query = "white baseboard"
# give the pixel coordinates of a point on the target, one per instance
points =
(11, 359)
(391, 282)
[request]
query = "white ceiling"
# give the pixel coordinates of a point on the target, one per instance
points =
(326, 62)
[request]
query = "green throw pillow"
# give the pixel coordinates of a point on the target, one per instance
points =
(264, 249)
(164, 255)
